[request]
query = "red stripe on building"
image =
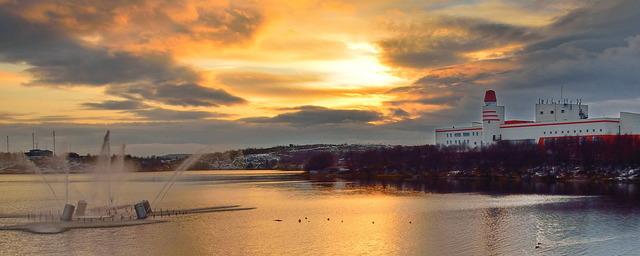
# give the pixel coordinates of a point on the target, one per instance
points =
(605, 137)
(488, 111)
(552, 124)
(489, 115)
(517, 122)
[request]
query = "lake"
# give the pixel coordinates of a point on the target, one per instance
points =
(336, 217)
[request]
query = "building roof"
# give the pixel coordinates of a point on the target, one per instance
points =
(490, 96)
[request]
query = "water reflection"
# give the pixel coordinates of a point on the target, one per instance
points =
(446, 217)
(622, 191)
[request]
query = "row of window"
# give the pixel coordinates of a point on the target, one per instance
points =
(462, 134)
(582, 139)
(450, 142)
(569, 131)
(551, 112)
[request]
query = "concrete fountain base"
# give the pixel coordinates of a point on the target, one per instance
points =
(62, 226)
(54, 227)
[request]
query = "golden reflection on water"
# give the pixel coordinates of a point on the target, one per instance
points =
(318, 218)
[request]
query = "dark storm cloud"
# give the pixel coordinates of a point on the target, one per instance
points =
(424, 45)
(231, 24)
(145, 112)
(399, 113)
(147, 19)
(115, 105)
(313, 115)
(593, 52)
(455, 79)
(57, 59)
(182, 94)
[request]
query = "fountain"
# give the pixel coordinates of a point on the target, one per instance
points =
(107, 173)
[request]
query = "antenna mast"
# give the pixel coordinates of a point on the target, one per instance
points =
(54, 142)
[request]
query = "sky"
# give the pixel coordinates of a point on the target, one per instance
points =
(182, 76)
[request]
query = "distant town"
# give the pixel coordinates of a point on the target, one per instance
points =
(291, 157)
(564, 159)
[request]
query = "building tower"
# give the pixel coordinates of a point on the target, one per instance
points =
(492, 118)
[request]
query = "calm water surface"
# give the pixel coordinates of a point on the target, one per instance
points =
(337, 218)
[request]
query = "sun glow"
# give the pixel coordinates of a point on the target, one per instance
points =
(363, 69)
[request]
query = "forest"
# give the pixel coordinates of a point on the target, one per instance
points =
(562, 157)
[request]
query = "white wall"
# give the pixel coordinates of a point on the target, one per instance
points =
(629, 123)
(469, 136)
(579, 128)
(560, 112)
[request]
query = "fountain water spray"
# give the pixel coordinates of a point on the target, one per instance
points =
(30, 165)
(107, 170)
(181, 168)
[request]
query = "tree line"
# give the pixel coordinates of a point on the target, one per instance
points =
(570, 153)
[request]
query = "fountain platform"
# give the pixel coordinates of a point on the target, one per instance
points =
(52, 224)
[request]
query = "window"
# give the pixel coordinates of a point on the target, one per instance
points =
(600, 130)
(562, 111)
(544, 132)
(580, 131)
(562, 132)
(542, 112)
(551, 112)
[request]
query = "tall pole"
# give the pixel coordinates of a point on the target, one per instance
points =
(54, 142)
(33, 140)
(8, 144)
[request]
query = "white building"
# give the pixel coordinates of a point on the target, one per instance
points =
(553, 120)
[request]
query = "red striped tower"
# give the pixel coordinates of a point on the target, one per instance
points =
(492, 118)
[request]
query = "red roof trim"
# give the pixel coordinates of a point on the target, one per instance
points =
(517, 122)
(553, 124)
(488, 111)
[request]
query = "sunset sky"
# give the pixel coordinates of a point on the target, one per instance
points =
(175, 76)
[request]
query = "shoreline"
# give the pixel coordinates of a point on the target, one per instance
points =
(447, 177)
